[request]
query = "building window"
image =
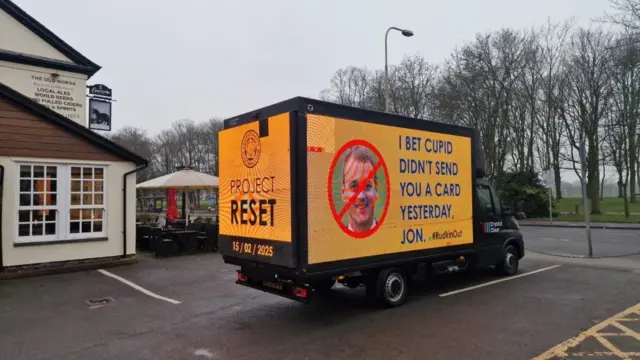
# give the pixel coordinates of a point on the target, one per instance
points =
(38, 207)
(60, 202)
(87, 200)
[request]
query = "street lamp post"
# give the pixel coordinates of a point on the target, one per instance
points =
(583, 165)
(405, 32)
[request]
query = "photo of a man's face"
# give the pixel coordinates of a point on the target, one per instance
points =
(359, 162)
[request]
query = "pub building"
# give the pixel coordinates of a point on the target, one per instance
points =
(68, 198)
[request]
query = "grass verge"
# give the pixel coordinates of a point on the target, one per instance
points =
(605, 218)
(607, 205)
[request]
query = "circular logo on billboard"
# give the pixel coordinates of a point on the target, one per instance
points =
(250, 149)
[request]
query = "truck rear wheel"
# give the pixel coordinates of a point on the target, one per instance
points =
(508, 266)
(392, 287)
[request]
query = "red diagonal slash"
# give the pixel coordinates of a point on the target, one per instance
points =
(330, 189)
(360, 188)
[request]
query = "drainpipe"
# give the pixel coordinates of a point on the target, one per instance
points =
(1, 196)
(124, 206)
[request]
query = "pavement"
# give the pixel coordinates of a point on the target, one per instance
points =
(190, 308)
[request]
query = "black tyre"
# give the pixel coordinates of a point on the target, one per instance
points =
(510, 262)
(392, 287)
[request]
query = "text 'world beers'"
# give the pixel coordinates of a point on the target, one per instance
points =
(251, 205)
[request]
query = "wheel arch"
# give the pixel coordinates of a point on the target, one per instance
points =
(517, 243)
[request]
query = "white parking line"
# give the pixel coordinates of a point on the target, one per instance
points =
(204, 352)
(137, 287)
(626, 234)
(554, 239)
(498, 281)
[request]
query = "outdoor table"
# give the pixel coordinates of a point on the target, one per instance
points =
(186, 239)
(144, 236)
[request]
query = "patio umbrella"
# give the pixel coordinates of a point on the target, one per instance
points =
(172, 206)
(182, 180)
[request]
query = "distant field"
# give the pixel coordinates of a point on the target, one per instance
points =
(607, 206)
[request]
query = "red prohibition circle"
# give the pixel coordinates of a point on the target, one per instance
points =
(332, 205)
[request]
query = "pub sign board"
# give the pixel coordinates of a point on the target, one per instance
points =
(99, 114)
(100, 90)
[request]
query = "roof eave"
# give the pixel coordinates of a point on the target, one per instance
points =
(47, 63)
(47, 35)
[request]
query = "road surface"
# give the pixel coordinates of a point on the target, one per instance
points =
(190, 308)
(572, 241)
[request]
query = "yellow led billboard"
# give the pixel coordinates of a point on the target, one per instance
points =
(255, 181)
(376, 189)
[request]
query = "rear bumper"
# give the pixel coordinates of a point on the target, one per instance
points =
(255, 268)
(284, 289)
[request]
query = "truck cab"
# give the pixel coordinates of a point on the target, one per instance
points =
(498, 238)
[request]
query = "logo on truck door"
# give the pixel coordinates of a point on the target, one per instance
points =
(250, 149)
(492, 227)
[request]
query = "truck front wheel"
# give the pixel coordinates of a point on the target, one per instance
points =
(392, 287)
(509, 264)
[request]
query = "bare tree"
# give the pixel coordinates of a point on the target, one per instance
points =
(414, 82)
(625, 78)
(589, 92)
(478, 87)
(627, 14)
(349, 86)
(210, 131)
(138, 141)
(527, 107)
(553, 43)
(617, 141)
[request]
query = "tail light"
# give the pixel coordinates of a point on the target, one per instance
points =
(300, 292)
(242, 277)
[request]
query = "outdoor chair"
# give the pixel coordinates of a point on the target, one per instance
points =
(144, 234)
(199, 227)
(189, 242)
(163, 245)
(209, 238)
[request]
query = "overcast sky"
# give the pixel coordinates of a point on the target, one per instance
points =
(199, 59)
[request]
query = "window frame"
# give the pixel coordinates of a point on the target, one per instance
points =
(63, 204)
(497, 202)
(483, 209)
(70, 207)
(30, 208)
